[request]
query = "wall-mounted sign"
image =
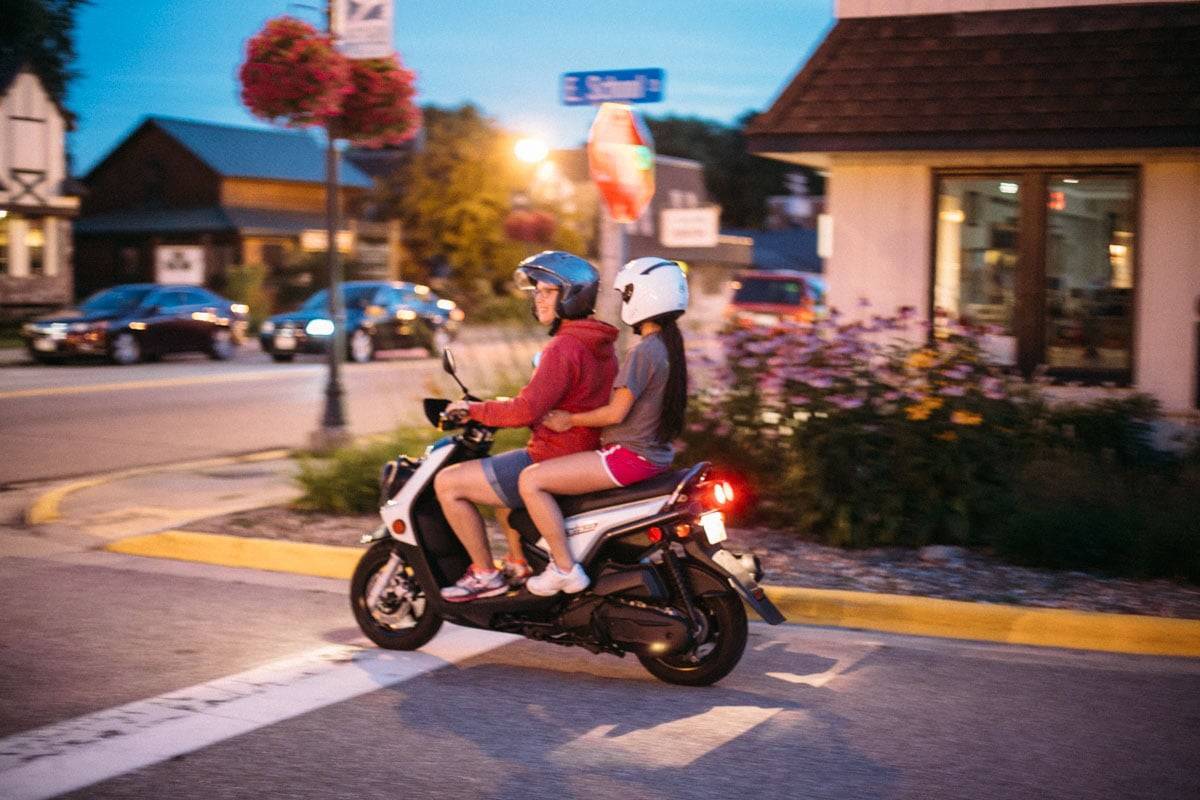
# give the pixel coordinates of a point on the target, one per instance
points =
(613, 86)
(315, 240)
(364, 28)
(178, 263)
(689, 227)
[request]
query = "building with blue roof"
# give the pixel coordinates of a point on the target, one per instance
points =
(219, 195)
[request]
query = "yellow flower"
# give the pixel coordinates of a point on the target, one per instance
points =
(947, 436)
(917, 413)
(934, 403)
(966, 418)
(921, 359)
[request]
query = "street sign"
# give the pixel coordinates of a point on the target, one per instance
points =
(364, 28)
(621, 161)
(689, 227)
(613, 86)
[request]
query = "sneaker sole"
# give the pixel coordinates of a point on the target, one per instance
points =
(481, 595)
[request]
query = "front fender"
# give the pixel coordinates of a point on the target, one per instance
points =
(739, 578)
(379, 534)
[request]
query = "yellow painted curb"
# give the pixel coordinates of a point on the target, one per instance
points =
(45, 508)
(1046, 627)
(301, 558)
(920, 616)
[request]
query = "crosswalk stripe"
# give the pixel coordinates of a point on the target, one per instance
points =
(71, 755)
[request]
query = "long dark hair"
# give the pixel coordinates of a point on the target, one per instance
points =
(675, 394)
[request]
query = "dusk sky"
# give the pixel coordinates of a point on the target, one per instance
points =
(180, 57)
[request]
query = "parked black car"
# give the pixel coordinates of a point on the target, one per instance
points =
(139, 321)
(380, 315)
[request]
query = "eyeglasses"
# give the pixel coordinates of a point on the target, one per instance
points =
(547, 293)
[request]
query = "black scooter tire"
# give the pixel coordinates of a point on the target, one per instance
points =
(727, 618)
(404, 639)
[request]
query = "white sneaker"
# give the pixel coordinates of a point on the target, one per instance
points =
(553, 580)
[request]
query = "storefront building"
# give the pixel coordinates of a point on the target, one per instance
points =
(1032, 166)
(35, 211)
(183, 201)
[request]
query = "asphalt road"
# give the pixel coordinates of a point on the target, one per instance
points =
(134, 678)
(83, 418)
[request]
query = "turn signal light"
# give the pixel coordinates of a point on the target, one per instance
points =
(683, 530)
(398, 527)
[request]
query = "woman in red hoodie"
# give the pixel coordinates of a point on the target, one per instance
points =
(575, 373)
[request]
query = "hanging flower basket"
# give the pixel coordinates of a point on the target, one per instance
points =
(293, 75)
(523, 225)
(379, 109)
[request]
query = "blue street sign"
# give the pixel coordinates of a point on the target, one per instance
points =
(613, 86)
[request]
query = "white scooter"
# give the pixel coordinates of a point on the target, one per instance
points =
(663, 585)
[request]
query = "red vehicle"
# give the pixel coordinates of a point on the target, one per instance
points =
(769, 297)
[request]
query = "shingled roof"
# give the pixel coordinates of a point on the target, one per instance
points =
(237, 152)
(1115, 76)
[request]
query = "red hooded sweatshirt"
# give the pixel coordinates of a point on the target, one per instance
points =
(576, 373)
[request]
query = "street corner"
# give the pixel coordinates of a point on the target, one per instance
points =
(273, 555)
(135, 501)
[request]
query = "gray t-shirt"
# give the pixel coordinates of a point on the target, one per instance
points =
(644, 374)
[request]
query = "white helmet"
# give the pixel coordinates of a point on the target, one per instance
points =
(649, 287)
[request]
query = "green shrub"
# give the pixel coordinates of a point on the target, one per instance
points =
(1082, 512)
(247, 284)
(858, 437)
(347, 482)
(878, 435)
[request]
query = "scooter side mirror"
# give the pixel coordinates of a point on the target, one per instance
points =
(448, 362)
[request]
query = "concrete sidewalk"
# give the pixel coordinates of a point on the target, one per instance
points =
(146, 511)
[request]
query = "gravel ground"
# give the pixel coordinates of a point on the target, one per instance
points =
(946, 573)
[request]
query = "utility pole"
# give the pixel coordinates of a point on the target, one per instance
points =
(332, 431)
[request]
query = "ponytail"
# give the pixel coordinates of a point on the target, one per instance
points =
(675, 394)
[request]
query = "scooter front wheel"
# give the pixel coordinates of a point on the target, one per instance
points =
(401, 619)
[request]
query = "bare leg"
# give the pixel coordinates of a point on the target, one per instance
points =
(578, 473)
(458, 489)
(515, 551)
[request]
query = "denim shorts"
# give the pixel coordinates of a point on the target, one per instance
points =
(503, 472)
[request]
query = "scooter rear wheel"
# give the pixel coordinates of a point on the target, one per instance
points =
(718, 652)
(402, 619)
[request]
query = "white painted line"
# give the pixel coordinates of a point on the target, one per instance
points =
(71, 755)
(678, 743)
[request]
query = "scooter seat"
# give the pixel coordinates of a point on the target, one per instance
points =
(651, 487)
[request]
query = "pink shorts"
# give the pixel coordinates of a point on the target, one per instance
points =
(626, 467)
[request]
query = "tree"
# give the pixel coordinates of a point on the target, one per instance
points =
(42, 32)
(454, 196)
(737, 180)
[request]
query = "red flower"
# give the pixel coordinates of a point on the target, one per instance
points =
(379, 109)
(529, 226)
(293, 75)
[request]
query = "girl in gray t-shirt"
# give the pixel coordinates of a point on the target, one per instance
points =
(638, 425)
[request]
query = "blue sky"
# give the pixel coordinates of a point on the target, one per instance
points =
(180, 57)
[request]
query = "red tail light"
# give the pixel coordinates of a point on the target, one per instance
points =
(723, 493)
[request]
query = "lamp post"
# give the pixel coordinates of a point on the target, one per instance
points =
(332, 432)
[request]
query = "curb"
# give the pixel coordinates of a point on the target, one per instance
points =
(918, 616)
(46, 508)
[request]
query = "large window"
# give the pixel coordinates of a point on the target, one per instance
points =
(1047, 261)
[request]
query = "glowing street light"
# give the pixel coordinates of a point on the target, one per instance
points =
(531, 150)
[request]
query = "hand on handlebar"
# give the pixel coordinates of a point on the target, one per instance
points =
(457, 412)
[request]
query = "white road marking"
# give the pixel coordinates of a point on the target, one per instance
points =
(70, 755)
(689, 739)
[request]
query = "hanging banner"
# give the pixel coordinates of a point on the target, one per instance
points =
(363, 28)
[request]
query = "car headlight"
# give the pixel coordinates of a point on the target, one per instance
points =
(319, 327)
(406, 313)
(29, 329)
(267, 327)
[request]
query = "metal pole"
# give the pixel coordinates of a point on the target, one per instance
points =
(613, 248)
(332, 432)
